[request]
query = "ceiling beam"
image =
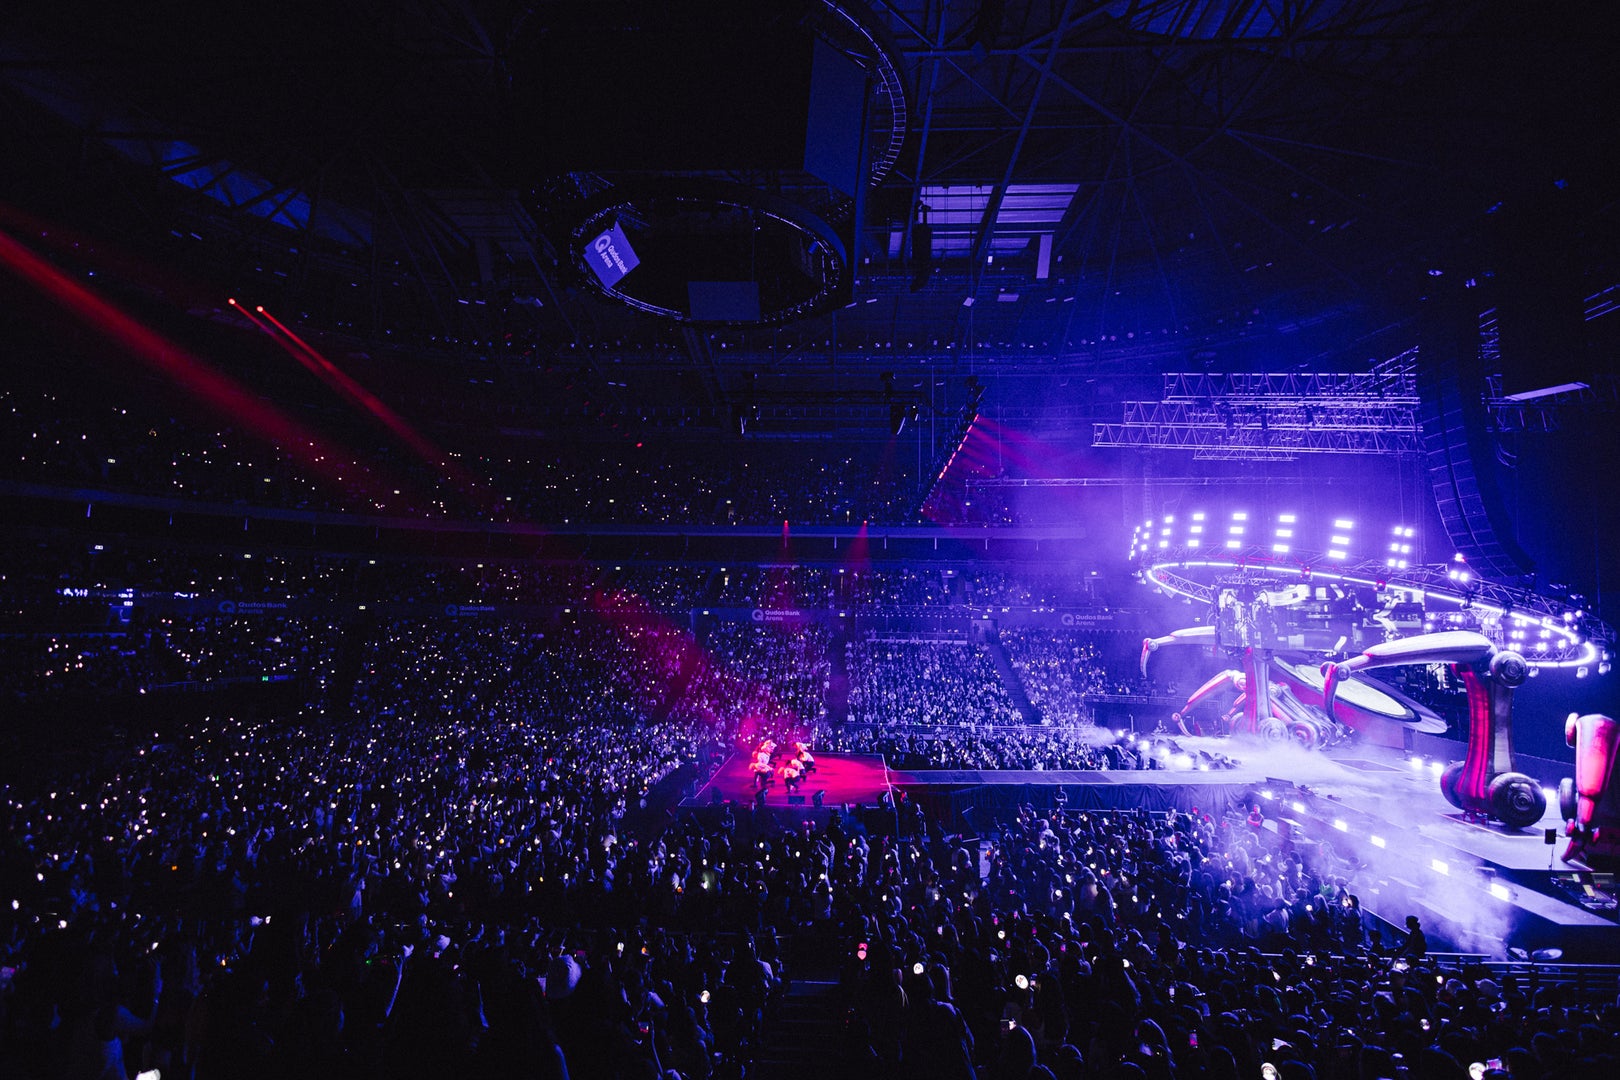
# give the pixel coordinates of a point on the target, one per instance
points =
(992, 209)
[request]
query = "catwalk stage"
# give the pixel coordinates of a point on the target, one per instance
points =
(1482, 886)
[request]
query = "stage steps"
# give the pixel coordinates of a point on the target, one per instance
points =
(803, 1032)
(1010, 679)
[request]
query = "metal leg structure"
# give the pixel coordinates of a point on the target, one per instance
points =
(1484, 782)
(1590, 803)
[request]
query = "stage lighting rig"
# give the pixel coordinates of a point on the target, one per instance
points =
(1270, 416)
(710, 164)
(1396, 600)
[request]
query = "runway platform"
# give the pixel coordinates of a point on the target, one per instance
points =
(1481, 886)
(863, 778)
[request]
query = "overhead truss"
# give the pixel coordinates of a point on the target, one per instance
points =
(1250, 442)
(1270, 415)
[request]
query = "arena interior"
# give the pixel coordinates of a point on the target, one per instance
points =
(965, 539)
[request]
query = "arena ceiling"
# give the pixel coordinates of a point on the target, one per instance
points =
(1107, 187)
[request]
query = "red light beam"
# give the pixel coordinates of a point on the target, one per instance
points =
(218, 392)
(334, 377)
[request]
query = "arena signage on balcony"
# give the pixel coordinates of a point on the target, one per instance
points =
(764, 615)
(250, 607)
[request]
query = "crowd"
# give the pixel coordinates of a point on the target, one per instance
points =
(71, 438)
(1135, 945)
(1060, 673)
(67, 438)
(37, 571)
(1025, 749)
(460, 852)
(439, 891)
(161, 652)
(759, 679)
(1056, 673)
(269, 886)
(912, 682)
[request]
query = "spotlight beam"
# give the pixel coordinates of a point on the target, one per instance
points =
(346, 386)
(174, 362)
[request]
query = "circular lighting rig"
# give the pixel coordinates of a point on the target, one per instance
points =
(1546, 631)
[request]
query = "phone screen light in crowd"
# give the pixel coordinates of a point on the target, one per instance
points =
(860, 951)
(1476, 1070)
(917, 968)
(149, 1074)
(1268, 1071)
(1021, 981)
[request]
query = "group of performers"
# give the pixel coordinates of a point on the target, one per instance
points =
(792, 762)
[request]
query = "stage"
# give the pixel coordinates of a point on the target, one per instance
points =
(861, 779)
(1479, 885)
(841, 778)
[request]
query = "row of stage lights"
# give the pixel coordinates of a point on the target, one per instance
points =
(1202, 533)
(1559, 640)
(1439, 866)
